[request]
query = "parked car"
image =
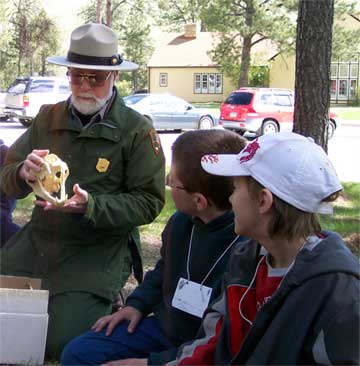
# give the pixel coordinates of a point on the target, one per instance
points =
(168, 112)
(27, 94)
(262, 111)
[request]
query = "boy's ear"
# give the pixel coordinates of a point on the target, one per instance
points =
(200, 201)
(266, 200)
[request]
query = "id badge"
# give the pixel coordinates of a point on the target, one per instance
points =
(191, 297)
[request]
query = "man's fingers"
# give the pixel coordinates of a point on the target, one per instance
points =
(42, 153)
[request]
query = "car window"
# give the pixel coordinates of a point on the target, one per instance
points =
(42, 86)
(133, 99)
(242, 98)
(18, 87)
(178, 103)
(64, 89)
(267, 99)
(283, 100)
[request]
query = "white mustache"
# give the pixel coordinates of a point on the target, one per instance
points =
(88, 95)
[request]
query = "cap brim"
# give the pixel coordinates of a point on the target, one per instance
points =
(224, 164)
(62, 61)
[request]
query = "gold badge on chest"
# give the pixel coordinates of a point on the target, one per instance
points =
(102, 165)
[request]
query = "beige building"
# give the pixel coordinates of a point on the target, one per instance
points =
(182, 66)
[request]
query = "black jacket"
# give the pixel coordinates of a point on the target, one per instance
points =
(313, 318)
(156, 292)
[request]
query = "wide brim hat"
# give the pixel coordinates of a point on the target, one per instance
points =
(93, 46)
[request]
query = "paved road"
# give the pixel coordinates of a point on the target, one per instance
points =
(344, 148)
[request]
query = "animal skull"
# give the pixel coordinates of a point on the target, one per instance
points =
(51, 179)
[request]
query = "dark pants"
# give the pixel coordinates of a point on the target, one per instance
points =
(71, 314)
(96, 348)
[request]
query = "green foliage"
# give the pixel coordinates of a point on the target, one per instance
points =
(174, 14)
(346, 42)
(244, 24)
(129, 20)
(259, 76)
(28, 37)
(134, 34)
(124, 87)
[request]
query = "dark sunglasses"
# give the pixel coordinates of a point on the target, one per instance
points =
(94, 80)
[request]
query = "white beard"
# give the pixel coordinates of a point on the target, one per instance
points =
(91, 106)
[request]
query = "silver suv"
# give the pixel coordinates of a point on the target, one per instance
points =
(27, 94)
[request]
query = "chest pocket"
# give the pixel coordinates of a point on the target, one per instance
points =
(97, 164)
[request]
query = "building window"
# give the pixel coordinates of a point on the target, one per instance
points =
(208, 83)
(344, 81)
(163, 80)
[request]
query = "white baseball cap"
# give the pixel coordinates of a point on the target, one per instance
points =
(291, 166)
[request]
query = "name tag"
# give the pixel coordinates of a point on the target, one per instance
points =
(191, 297)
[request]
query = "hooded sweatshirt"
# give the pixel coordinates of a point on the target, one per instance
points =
(312, 317)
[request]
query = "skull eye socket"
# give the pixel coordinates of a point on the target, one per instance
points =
(58, 175)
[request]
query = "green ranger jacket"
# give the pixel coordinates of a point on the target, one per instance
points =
(87, 252)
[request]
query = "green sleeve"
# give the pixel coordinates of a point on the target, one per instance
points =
(145, 193)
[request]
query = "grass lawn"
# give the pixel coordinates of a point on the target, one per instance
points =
(348, 113)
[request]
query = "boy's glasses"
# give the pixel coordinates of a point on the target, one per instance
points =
(168, 183)
(94, 80)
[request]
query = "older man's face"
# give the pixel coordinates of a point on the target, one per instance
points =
(90, 88)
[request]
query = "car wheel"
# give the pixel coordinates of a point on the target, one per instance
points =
(205, 123)
(25, 122)
(269, 127)
(331, 129)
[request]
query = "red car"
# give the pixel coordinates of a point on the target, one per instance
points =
(261, 111)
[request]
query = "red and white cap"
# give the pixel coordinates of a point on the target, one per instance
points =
(291, 166)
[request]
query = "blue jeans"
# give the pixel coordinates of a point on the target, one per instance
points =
(96, 348)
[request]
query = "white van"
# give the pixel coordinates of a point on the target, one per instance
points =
(27, 94)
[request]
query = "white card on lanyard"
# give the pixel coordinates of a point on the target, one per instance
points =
(191, 297)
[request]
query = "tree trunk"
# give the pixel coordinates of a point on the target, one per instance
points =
(313, 59)
(246, 47)
(98, 11)
(245, 62)
(109, 13)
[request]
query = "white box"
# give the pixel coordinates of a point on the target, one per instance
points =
(23, 320)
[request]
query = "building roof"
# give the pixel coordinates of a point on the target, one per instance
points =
(174, 49)
(177, 50)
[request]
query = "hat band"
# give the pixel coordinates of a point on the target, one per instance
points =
(94, 60)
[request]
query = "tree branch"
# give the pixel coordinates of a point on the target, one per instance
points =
(259, 40)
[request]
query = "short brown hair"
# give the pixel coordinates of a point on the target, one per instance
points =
(190, 147)
(288, 221)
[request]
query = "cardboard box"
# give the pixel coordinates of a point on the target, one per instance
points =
(23, 320)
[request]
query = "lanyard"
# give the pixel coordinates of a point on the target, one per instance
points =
(216, 262)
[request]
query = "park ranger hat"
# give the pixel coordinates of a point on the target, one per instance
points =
(291, 166)
(93, 46)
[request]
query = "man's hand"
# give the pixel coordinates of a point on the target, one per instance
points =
(32, 165)
(111, 321)
(76, 204)
(129, 362)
